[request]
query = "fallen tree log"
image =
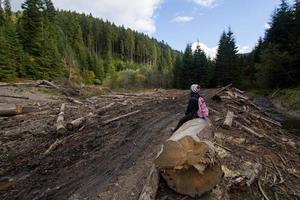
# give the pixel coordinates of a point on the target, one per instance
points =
(52, 85)
(60, 128)
(228, 120)
(188, 160)
(14, 110)
(77, 123)
(150, 189)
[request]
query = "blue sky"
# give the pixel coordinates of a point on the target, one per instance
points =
(179, 22)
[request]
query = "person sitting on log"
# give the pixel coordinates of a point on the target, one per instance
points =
(196, 108)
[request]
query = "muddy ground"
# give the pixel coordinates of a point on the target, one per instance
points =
(112, 161)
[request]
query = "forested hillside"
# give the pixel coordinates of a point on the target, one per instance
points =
(274, 62)
(41, 42)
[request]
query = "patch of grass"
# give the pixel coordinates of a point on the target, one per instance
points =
(291, 97)
(49, 91)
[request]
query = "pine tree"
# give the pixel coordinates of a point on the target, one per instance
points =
(2, 19)
(188, 72)
(7, 8)
(49, 10)
(177, 72)
(32, 26)
(7, 71)
(226, 70)
(280, 32)
(200, 67)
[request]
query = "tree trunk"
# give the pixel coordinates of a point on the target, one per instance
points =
(188, 161)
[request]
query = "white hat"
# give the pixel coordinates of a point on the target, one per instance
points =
(195, 88)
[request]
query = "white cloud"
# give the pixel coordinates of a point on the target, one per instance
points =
(212, 51)
(267, 26)
(136, 14)
(244, 49)
(209, 51)
(205, 3)
(182, 19)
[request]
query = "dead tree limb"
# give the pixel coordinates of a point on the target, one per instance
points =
(257, 116)
(15, 97)
(77, 123)
(262, 191)
(53, 146)
(278, 171)
(105, 108)
(150, 189)
(249, 130)
(219, 145)
(60, 128)
(120, 117)
(222, 89)
(74, 100)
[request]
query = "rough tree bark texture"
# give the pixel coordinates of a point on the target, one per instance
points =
(188, 161)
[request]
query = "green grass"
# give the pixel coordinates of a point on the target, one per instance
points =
(292, 97)
(50, 91)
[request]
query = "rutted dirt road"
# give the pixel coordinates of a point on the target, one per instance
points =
(98, 162)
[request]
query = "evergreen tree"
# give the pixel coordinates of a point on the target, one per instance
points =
(7, 8)
(188, 72)
(2, 19)
(177, 72)
(200, 67)
(227, 70)
(32, 26)
(7, 71)
(49, 10)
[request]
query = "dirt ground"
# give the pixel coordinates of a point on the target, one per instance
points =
(112, 161)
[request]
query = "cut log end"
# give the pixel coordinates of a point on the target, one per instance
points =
(188, 161)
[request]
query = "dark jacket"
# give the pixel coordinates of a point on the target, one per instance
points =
(193, 104)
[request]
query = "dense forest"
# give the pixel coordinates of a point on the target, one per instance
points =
(40, 42)
(274, 62)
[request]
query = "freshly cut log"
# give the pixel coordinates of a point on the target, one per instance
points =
(228, 120)
(188, 160)
(60, 128)
(77, 123)
(150, 189)
(7, 111)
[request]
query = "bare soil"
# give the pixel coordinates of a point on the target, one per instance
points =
(112, 161)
